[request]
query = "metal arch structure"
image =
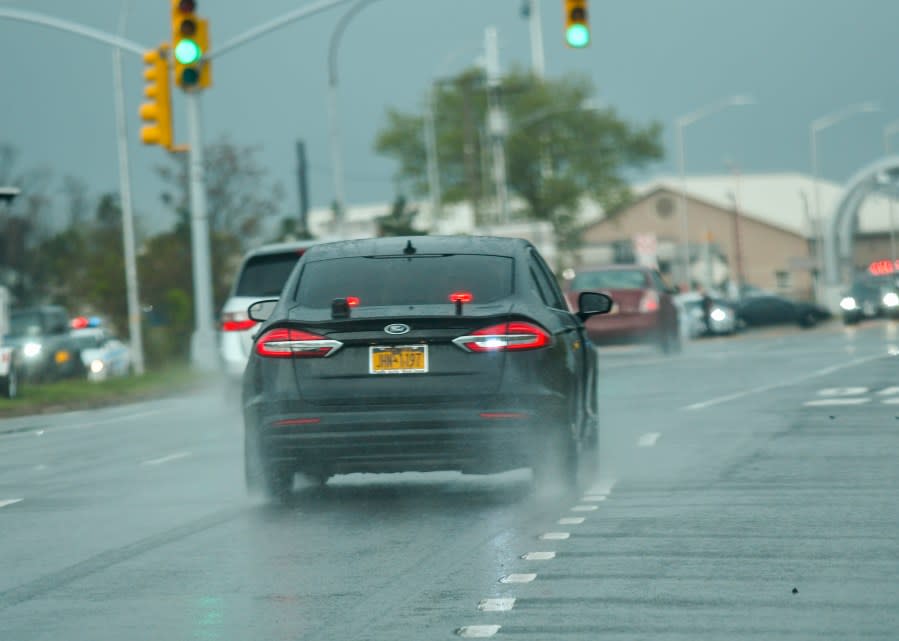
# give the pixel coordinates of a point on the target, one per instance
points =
(881, 176)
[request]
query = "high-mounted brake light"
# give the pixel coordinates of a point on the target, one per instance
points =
(649, 302)
(461, 297)
(237, 322)
(294, 343)
(516, 335)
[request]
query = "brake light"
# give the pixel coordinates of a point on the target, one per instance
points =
(353, 301)
(461, 297)
(649, 302)
(294, 343)
(237, 322)
(516, 335)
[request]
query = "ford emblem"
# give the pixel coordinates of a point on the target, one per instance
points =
(397, 328)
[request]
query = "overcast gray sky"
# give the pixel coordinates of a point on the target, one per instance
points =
(653, 59)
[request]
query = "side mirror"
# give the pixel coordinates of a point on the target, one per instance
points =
(262, 310)
(593, 303)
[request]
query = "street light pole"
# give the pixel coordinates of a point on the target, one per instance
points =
(135, 336)
(538, 55)
(203, 352)
(817, 126)
(680, 126)
(334, 115)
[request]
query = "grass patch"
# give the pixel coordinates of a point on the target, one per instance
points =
(82, 394)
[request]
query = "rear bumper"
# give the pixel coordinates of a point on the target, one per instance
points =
(397, 440)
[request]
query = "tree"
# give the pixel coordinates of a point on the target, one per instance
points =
(399, 222)
(558, 150)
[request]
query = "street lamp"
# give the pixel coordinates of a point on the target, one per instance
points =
(817, 126)
(679, 126)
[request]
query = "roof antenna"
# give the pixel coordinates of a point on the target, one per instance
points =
(409, 250)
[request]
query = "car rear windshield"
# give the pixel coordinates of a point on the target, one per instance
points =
(418, 280)
(612, 279)
(266, 274)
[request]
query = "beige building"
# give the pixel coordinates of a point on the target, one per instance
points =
(756, 229)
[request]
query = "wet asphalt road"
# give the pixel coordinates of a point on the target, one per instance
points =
(749, 490)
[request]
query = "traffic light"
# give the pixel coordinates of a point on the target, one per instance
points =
(190, 45)
(577, 26)
(158, 111)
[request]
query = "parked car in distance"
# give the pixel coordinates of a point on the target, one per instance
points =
(102, 354)
(643, 311)
(421, 354)
(769, 309)
(720, 319)
(46, 350)
(261, 275)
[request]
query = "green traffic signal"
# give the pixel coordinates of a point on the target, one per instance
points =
(187, 52)
(577, 36)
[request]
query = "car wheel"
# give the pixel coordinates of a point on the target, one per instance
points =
(808, 320)
(588, 459)
(9, 385)
(850, 320)
(274, 482)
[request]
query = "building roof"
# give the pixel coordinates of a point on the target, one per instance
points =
(784, 200)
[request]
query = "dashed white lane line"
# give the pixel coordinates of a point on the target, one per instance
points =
(584, 508)
(571, 520)
(843, 391)
(518, 578)
(496, 605)
(773, 386)
(5, 502)
(648, 440)
(555, 536)
(539, 556)
(830, 402)
(594, 498)
(890, 391)
(891, 401)
(477, 631)
(166, 459)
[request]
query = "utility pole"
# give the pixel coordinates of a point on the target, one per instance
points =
(303, 187)
(431, 153)
(538, 56)
(497, 125)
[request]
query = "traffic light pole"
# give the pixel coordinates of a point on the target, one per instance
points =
(202, 345)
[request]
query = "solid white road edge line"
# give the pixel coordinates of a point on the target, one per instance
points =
(5, 502)
(767, 388)
(166, 459)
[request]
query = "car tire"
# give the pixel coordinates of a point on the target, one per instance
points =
(274, 482)
(808, 320)
(850, 320)
(9, 384)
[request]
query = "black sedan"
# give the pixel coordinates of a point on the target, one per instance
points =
(421, 354)
(768, 309)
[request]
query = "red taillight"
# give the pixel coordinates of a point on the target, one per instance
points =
(461, 297)
(236, 322)
(517, 335)
(649, 302)
(353, 301)
(293, 343)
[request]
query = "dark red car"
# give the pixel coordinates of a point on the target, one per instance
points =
(644, 311)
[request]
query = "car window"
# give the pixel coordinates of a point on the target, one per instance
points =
(265, 275)
(548, 282)
(611, 279)
(419, 280)
(25, 324)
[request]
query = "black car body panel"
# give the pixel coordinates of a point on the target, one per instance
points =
(776, 310)
(471, 411)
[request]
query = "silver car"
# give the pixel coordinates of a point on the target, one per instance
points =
(262, 275)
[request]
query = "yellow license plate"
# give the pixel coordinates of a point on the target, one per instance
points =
(401, 359)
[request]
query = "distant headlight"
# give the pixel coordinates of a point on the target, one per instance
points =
(718, 315)
(97, 366)
(848, 303)
(31, 350)
(891, 299)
